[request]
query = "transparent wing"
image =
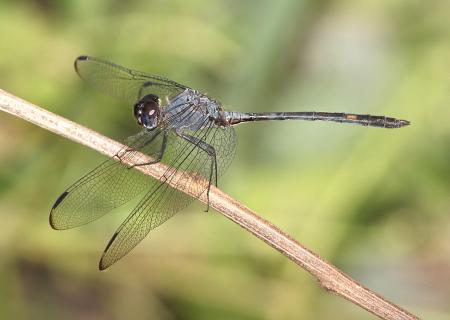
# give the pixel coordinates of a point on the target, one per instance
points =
(162, 201)
(123, 83)
(108, 186)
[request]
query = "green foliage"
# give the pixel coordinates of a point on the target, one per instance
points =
(376, 202)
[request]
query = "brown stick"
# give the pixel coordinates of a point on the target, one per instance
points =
(329, 276)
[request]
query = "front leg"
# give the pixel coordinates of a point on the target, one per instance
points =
(211, 152)
(158, 157)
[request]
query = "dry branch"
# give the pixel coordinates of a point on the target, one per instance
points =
(329, 276)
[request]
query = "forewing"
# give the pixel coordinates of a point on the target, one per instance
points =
(123, 83)
(106, 187)
(188, 164)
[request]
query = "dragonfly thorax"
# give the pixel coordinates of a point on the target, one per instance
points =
(192, 111)
(147, 111)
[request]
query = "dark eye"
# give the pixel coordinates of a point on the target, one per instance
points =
(147, 111)
(151, 109)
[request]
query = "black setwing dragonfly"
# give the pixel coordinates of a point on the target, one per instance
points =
(181, 127)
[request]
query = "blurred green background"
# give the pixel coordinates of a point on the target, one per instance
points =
(374, 202)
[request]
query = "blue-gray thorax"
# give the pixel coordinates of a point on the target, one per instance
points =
(191, 110)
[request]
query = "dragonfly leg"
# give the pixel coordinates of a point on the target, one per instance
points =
(211, 152)
(158, 156)
(137, 142)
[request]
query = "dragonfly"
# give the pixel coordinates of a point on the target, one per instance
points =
(181, 127)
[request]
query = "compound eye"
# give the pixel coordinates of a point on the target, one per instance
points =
(147, 111)
(150, 114)
(151, 109)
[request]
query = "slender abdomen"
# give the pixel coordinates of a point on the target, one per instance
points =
(360, 119)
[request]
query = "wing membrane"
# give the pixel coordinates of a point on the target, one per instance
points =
(123, 83)
(106, 187)
(162, 201)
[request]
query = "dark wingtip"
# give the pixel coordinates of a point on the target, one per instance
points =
(102, 265)
(60, 199)
(52, 223)
(80, 58)
(55, 205)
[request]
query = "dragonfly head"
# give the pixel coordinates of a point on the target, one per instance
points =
(147, 111)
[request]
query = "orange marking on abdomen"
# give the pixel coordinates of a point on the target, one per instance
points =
(351, 117)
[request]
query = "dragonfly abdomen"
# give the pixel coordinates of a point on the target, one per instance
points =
(360, 119)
